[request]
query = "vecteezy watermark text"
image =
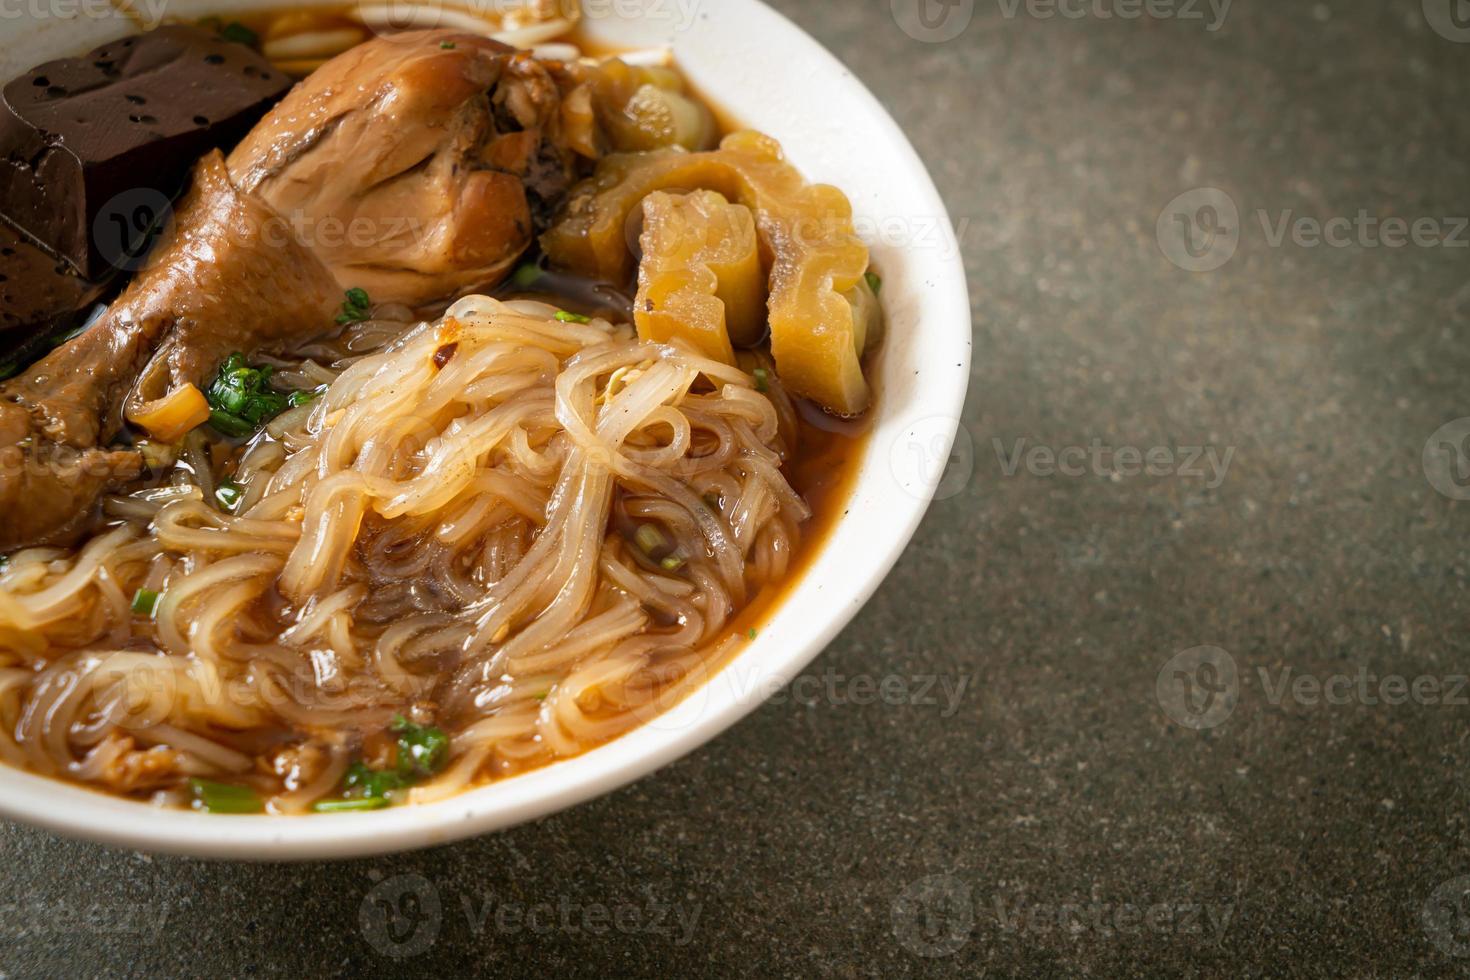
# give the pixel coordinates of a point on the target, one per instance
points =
(1115, 462)
(895, 690)
(1200, 687)
(1212, 12)
(1201, 229)
(19, 920)
(937, 915)
(149, 13)
(403, 916)
(936, 21)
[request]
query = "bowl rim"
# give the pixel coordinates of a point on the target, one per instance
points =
(942, 301)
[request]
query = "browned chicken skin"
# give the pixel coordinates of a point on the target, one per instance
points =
(411, 168)
(414, 166)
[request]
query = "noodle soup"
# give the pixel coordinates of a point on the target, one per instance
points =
(303, 523)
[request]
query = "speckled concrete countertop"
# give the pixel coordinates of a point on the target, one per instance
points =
(1189, 624)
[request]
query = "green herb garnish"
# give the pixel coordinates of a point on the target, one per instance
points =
(351, 806)
(356, 306)
(762, 379)
(240, 34)
(751, 634)
(447, 45)
(875, 282)
(224, 797)
(526, 275)
(422, 749)
(672, 563)
(361, 781)
(241, 399)
(145, 602)
(712, 501)
(566, 317)
(228, 495)
(305, 396)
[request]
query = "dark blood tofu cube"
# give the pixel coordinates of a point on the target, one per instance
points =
(37, 290)
(89, 146)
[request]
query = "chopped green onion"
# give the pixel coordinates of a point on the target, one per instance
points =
(241, 399)
(350, 806)
(526, 275)
(712, 501)
(422, 749)
(751, 634)
(566, 317)
(240, 34)
(672, 563)
(305, 396)
(649, 538)
(356, 306)
(447, 45)
(224, 797)
(145, 602)
(762, 379)
(229, 494)
(875, 282)
(542, 695)
(227, 424)
(373, 783)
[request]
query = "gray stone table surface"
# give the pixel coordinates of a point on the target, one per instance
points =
(1101, 797)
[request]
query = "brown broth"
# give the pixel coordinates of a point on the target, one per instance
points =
(823, 466)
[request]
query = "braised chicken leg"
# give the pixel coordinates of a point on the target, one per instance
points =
(418, 167)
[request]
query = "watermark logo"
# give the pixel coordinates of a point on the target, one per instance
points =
(130, 224)
(25, 919)
(678, 15)
(933, 21)
(835, 689)
(673, 922)
(1115, 463)
(401, 917)
(934, 916)
(391, 17)
(1446, 459)
(1107, 920)
(127, 226)
(1362, 230)
(1184, 10)
(147, 14)
(1199, 230)
(935, 451)
(1446, 917)
(1199, 687)
(1450, 19)
(1364, 688)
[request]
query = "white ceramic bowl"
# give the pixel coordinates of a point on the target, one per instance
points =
(769, 74)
